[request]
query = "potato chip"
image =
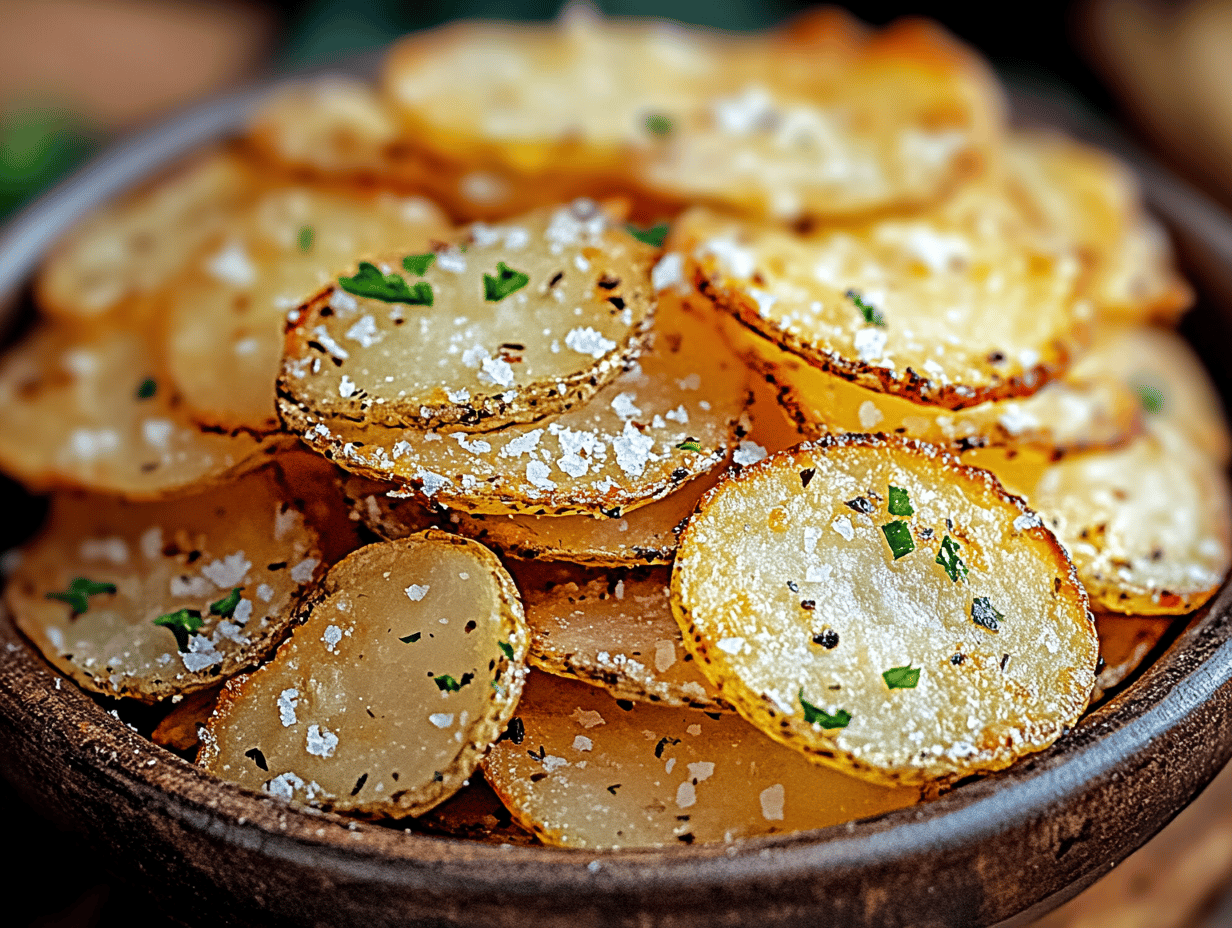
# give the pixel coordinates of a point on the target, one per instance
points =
(316, 488)
(872, 603)
(953, 307)
(227, 311)
(1149, 526)
(385, 510)
(129, 249)
(615, 630)
(151, 600)
(669, 418)
(534, 316)
(407, 666)
(96, 412)
(475, 813)
(583, 771)
(178, 730)
(1124, 643)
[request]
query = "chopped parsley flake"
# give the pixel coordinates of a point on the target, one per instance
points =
(506, 281)
(79, 591)
(225, 607)
(900, 502)
(1151, 398)
(815, 716)
(306, 237)
(506, 649)
(419, 264)
(871, 314)
(948, 558)
(411, 639)
(392, 288)
(898, 537)
(983, 613)
(182, 623)
(658, 124)
(652, 236)
(147, 388)
(689, 445)
(902, 678)
(447, 684)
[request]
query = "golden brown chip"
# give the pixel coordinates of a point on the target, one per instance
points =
(670, 417)
(872, 603)
(585, 771)
(533, 316)
(316, 486)
(227, 310)
(151, 600)
(97, 412)
(178, 730)
(475, 813)
(408, 664)
(953, 307)
(1124, 643)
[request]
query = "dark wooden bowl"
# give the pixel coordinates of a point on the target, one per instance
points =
(999, 850)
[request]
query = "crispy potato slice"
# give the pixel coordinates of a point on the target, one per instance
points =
(316, 486)
(826, 119)
(152, 600)
(178, 730)
(1149, 526)
(534, 316)
(96, 412)
(385, 510)
(407, 666)
(615, 630)
(1087, 197)
(621, 450)
(584, 771)
(226, 313)
(954, 307)
(1124, 643)
(872, 603)
(475, 813)
(1092, 406)
(131, 248)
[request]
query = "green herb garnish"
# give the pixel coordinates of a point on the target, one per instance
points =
(506, 281)
(392, 288)
(147, 388)
(815, 716)
(446, 684)
(306, 236)
(225, 607)
(658, 124)
(983, 613)
(506, 649)
(902, 678)
(689, 445)
(419, 264)
(870, 313)
(411, 639)
(898, 537)
(182, 623)
(1151, 398)
(948, 558)
(652, 236)
(900, 502)
(79, 592)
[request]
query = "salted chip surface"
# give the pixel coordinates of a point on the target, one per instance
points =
(956, 306)
(227, 310)
(95, 411)
(615, 630)
(536, 314)
(130, 248)
(672, 416)
(582, 770)
(1149, 526)
(1125, 641)
(407, 665)
(875, 605)
(152, 600)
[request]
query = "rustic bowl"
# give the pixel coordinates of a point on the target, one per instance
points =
(999, 850)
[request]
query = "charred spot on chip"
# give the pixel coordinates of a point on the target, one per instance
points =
(257, 758)
(861, 504)
(828, 639)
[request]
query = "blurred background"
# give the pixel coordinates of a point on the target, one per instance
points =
(76, 75)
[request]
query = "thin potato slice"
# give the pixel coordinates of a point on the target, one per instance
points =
(177, 595)
(1149, 527)
(671, 417)
(226, 313)
(386, 511)
(408, 665)
(178, 731)
(872, 603)
(316, 488)
(1124, 643)
(615, 630)
(97, 413)
(954, 307)
(490, 347)
(129, 249)
(475, 813)
(583, 771)
(1090, 199)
